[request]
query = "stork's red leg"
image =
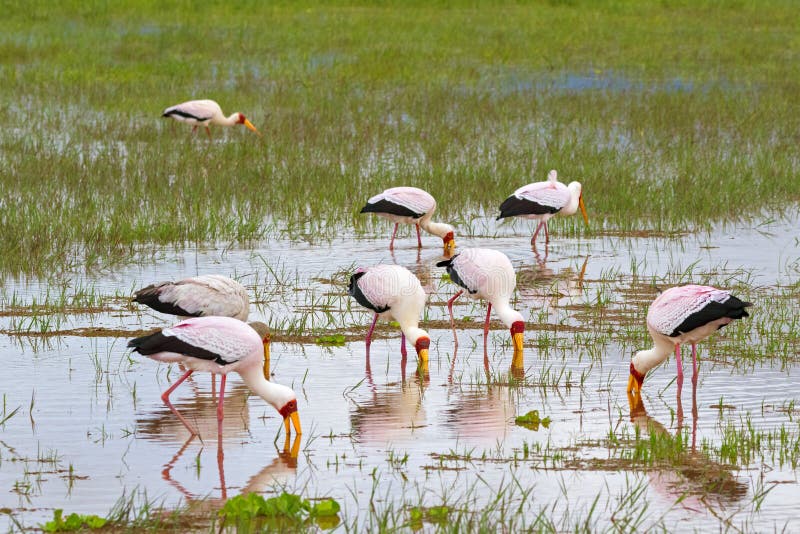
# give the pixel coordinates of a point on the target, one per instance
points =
(694, 364)
(368, 341)
(450, 309)
(535, 233)
(403, 345)
(165, 398)
(546, 234)
(486, 331)
(391, 243)
(419, 239)
(220, 404)
(680, 366)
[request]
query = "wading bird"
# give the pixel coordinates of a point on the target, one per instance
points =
(488, 274)
(411, 205)
(393, 292)
(684, 314)
(205, 112)
(219, 345)
(200, 296)
(542, 200)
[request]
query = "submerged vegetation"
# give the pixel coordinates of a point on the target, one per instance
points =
(687, 127)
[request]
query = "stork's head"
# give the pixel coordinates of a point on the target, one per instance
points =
(449, 241)
(243, 120)
(422, 342)
(286, 404)
(635, 381)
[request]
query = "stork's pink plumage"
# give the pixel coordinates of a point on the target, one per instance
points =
(542, 200)
(199, 296)
(219, 345)
(205, 112)
(411, 205)
(684, 314)
(488, 274)
(393, 292)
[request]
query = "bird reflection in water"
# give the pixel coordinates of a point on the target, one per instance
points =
(480, 412)
(201, 409)
(391, 413)
(164, 427)
(543, 288)
(277, 471)
(686, 474)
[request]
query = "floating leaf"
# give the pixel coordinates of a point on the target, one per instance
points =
(72, 522)
(326, 507)
(334, 339)
(531, 420)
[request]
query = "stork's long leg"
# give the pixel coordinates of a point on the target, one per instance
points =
(694, 364)
(419, 239)
(368, 341)
(221, 404)
(486, 331)
(165, 398)
(450, 309)
(403, 345)
(546, 234)
(535, 233)
(680, 366)
(391, 243)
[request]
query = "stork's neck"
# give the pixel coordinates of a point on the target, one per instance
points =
(272, 393)
(435, 228)
(229, 121)
(414, 333)
(574, 197)
(506, 313)
(644, 360)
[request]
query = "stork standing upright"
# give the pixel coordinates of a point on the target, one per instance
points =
(205, 113)
(393, 292)
(488, 274)
(411, 205)
(219, 345)
(542, 200)
(683, 314)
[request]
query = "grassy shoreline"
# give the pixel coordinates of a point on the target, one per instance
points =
(670, 118)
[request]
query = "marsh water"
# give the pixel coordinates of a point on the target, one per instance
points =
(91, 426)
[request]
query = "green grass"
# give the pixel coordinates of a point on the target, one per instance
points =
(686, 111)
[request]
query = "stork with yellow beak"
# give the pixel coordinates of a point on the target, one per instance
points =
(488, 274)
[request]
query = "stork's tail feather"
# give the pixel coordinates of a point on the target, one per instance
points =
(149, 344)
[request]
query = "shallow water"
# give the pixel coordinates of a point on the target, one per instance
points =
(91, 424)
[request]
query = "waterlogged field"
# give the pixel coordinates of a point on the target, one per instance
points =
(680, 119)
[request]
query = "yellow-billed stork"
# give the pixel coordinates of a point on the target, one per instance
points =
(683, 314)
(411, 205)
(542, 200)
(205, 113)
(219, 345)
(488, 274)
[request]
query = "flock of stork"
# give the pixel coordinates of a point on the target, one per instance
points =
(216, 338)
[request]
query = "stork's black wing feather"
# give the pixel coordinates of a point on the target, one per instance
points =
(149, 296)
(357, 294)
(514, 205)
(184, 114)
(158, 342)
(451, 270)
(733, 308)
(387, 206)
